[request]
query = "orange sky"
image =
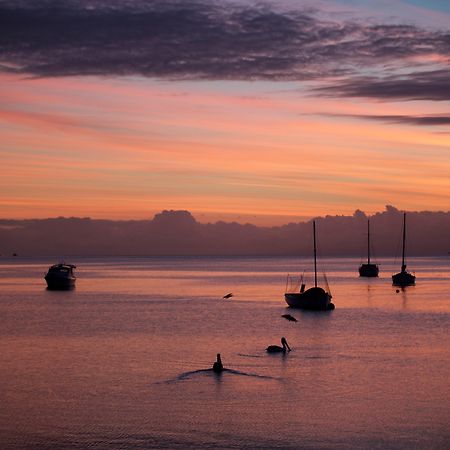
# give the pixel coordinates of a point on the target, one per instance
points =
(264, 151)
(259, 152)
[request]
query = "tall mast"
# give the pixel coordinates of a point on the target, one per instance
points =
(404, 239)
(315, 257)
(368, 242)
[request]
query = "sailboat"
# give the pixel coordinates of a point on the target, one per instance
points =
(403, 278)
(314, 298)
(369, 269)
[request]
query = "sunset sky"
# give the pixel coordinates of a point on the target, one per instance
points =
(255, 112)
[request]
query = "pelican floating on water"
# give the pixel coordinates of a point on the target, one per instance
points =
(277, 348)
(228, 295)
(218, 366)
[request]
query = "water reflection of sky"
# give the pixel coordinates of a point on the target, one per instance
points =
(125, 358)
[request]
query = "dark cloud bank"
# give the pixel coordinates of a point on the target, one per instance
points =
(178, 233)
(177, 39)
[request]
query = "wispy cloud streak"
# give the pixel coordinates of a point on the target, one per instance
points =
(430, 85)
(425, 120)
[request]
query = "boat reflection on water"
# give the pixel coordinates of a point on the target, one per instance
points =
(60, 277)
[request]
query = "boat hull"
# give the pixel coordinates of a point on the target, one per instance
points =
(57, 282)
(368, 270)
(403, 279)
(60, 283)
(313, 299)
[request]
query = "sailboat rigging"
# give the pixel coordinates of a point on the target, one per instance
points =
(369, 269)
(314, 298)
(403, 278)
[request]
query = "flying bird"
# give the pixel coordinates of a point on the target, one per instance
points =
(228, 295)
(289, 317)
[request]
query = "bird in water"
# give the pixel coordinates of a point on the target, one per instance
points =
(277, 348)
(228, 295)
(289, 317)
(218, 366)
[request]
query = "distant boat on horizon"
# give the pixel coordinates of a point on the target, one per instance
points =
(369, 269)
(403, 278)
(60, 277)
(315, 298)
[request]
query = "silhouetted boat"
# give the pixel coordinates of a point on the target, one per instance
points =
(60, 276)
(403, 278)
(315, 298)
(369, 269)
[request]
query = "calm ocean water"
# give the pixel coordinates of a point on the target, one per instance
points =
(119, 362)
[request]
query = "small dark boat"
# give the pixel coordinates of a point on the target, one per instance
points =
(60, 276)
(315, 298)
(369, 269)
(403, 278)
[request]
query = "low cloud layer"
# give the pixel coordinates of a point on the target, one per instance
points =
(208, 40)
(178, 233)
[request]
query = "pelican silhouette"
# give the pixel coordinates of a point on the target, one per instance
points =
(228, 295)
(218, 366)
(277, 348)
